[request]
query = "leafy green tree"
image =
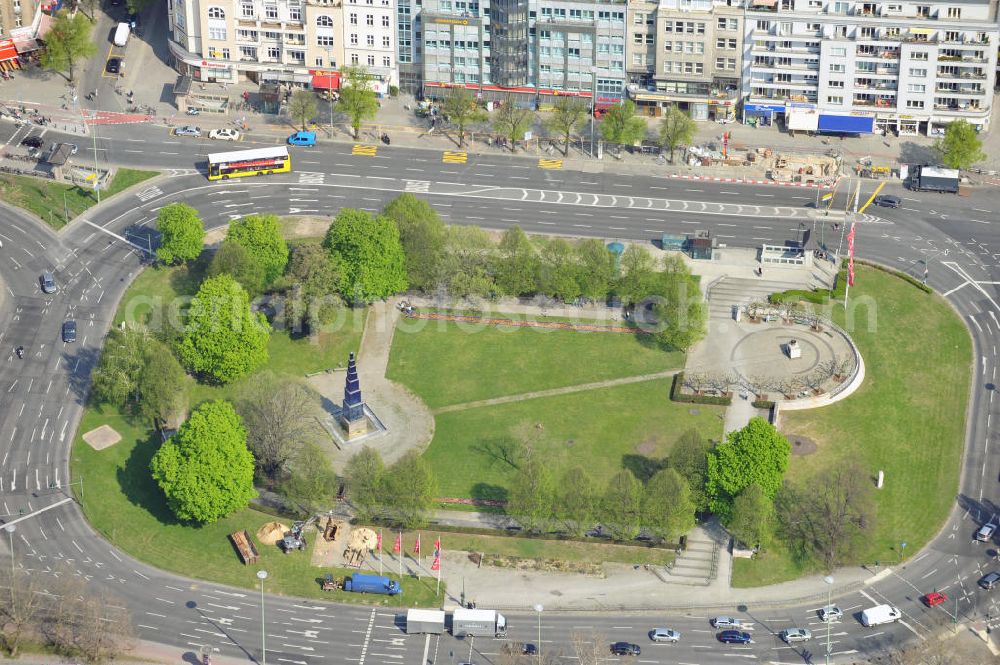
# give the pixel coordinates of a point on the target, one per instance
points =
(621, 506)
(302, 107)
(517, 267)
(206, 470)
(753, 519)
(676, 129)
(410, 489)
(223, 340)
(261, 236)
(596, 269)
(557, 276)
(532, 494)
(67, 43)
(314, 282)
(511, 121)
(467, 265)
(369, 253)
(461, 109)
(667, 509)
(422, 235)
(638, 268)
(234, 260)
(163, 385)
(116, 377)
(621, 126)
(366, 477)
(757, 454)
(566, 116)
(680, 310)
(357, 99)
(311, 481)
(960, 148)
(578, 500)
(689, 457)
(182, 233)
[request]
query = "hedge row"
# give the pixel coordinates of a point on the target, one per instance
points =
(815, 296)
(677, 396)
(763, 404)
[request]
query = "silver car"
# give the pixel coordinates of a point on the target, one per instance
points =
(792, 635)
(188, 130)
(831, 613)
(664, 635)
(725, 622)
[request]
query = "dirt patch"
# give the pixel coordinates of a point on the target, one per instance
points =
(543, 565)
(271, 533)
(102, 437)
(802, 445)
(648, 447)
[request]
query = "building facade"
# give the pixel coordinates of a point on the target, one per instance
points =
(895, 66)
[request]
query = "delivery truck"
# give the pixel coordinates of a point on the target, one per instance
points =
(880, 614)
(424, 621)
(934, 179)
(372, 584)
(478, 623)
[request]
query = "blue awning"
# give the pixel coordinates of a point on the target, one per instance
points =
(765, 109)
(845, 124)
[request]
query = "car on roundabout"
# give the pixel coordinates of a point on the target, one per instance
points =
(734, 637)
(934, 598)
(985, 533)
(830, 613)
(224, 134)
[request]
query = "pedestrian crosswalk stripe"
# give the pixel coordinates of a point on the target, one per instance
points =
(550, 163)
(455, 157)
(364, 150)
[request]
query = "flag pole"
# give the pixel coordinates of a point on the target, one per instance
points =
(400, 557)
(438, 559)
(380, 552)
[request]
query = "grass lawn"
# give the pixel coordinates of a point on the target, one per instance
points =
(121, 501)
(633, 425)
(907, 419)
(451, 363)
(46, 198)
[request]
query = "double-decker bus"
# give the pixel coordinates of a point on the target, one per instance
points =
(260, 161)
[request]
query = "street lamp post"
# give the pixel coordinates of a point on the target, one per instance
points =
(593, 109)
(10, 529)
(829, 588)
(262, 575)
(329, 62)
(538, 650)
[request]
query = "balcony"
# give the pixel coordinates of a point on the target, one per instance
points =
(881, 54)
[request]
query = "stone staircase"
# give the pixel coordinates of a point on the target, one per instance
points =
(698, 564)
(729, 291)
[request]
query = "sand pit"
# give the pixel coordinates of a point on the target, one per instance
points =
(271, 533)
(362, 539)
(102, 437)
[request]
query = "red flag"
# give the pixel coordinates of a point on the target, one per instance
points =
(398, 545)
(379, 542)
(437, 548)
(437, 563)
(850, 256)
(416, 548)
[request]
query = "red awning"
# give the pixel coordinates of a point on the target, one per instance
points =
(7, 50)
(329, 81)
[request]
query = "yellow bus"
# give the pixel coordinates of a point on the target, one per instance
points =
(260, 161)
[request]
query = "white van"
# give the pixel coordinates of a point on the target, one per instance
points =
(880, 614)
(121, 34)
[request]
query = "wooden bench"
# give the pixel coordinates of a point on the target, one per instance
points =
(245, 547)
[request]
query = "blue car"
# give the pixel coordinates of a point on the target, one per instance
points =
(302, 138)
(734, 637)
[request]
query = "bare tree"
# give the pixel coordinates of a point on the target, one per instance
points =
(721, 382)
(756, 383)
(103, 629)
(814, 380)
(845, 365)
(589, 648)
(21, 609)
(695, 381)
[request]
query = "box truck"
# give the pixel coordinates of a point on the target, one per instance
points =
(122, 32)
(880, 614)
(372, 584)
(424, 621)
(933, 179)
(478, 623)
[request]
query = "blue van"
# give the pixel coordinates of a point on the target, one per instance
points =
(302, 138)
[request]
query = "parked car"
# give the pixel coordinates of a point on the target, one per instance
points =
(524, 649)
(831, 613)
(989, 580)
(224, 134)
(664, 635)
(985, 533)
(734, 637)
(69, 331)
(113, 66)
(33, 141)
(791, 635)
(48, 282)
(725, 622)
(934, 598)
(888, 201)
(302, 138)
(188, 130)
(73, 148)
(625, 649)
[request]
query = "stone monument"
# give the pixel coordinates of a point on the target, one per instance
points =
(352, 413)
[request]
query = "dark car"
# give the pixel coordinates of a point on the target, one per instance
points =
(989, 580)
(625, 649)
(734, 637)
(888, 201)
(33, 141)
(48, 282)
(525, 649)
(69, 331)
(114, 66)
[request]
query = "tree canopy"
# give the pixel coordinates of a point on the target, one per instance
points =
(667, 509)
(163, 385)
(314, 282)
(566, 116)
(182, 233)
(365, 475)
(302, 107)
(67, 43)
(960, 147)
(206, 470)
(232, 259)
(422, 235)
(621, 506)
(753, 519)
(690, 457)
(369, 253)
(410, 489)
(261, 237)
(676, 129)
(511, 121)
(757, 454)
(621, 126)
(532, 494)
(223, 340)
(462, 109)
(357, 100)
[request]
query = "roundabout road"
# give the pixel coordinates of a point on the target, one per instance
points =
(42, 395)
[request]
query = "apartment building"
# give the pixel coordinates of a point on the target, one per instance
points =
(534, 49)
(295, 42)
(897, 66)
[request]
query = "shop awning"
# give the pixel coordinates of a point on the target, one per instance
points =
(846, 124)
(763, 109)
(804, 120)
(921, 31)
(329, 81)
(25, 44)
(7, 50)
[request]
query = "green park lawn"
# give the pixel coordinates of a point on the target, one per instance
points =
(604, 430)
(448, 363)
(907, 419)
